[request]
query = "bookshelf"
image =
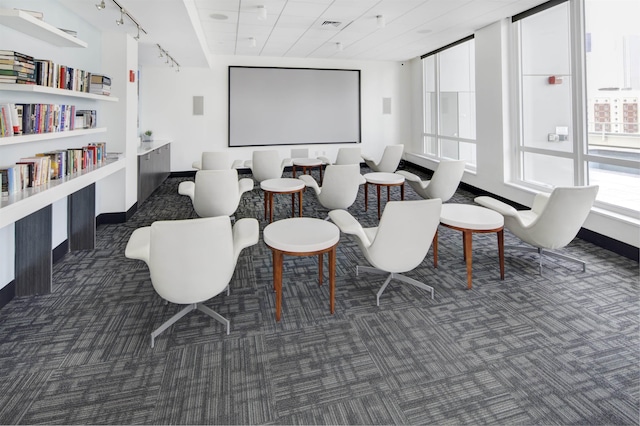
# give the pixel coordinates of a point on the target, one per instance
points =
(37, 28)
(34, 88)
(37, 137)
(30, 211)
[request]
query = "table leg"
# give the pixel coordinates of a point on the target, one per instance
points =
(467, 255)
(378, 187)
(270, 207)
(293, 204)
(332, 279)
(435, 249)
(320, 174)
(501, 252)
(300, 202)
(366, 196)
(320, 277)
(388, 190)
(294, 171)
(402, 192)
(277, 281)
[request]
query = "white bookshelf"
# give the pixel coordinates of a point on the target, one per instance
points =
(38, 137)
(34, 27)
(34, 88)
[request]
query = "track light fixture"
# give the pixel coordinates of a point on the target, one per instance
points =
(123, 13)
(262, 13)
(380, 21)
(252, 41)
(169, 59)
(121, 20)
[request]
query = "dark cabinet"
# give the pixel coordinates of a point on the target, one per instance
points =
(154, 167)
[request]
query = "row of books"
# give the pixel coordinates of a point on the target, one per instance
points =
(19, 68)
(16, 67)
(27, 119)
(42, 168)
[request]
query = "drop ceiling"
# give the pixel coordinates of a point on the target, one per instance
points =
(195, 31)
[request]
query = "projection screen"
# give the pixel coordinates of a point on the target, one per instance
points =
(286, 106)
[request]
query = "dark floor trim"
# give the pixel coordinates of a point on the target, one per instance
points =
(7, 293)
(60, 251)
(608, 243)
(114, 218)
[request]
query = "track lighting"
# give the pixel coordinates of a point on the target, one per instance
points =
(101, 5)
(380, 21)
(138, 36)
(252, 41)
(121, 20)
(169, 59)
(262, 13)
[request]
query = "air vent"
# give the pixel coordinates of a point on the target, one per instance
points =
(331, 23)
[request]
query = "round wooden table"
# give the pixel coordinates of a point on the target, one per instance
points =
(306, 163)
(302, 236)
(382, 179)
(281, 186)
(471, 219)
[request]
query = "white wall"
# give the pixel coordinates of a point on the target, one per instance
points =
(166, 98)
(494, 138)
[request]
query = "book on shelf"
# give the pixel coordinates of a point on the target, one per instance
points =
(16, 67)
(85, 119)
(73, 33)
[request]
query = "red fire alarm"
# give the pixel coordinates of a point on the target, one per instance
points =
(132, 76)
(555, 80)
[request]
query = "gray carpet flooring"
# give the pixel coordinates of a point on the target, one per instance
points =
(561, 348)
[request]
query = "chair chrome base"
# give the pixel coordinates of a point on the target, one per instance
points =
(549, 253)
(199, 306)
(391, 276)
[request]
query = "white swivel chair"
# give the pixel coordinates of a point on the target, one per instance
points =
(216, 160)
(191, 261)
(267, 165)
(340, 186)
(443, 183)
(399, 243)
(390, 159)
(345, 156)
(553, 221)
(215, 192)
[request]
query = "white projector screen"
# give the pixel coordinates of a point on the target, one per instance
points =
(293, 106)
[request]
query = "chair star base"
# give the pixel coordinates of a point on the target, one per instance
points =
(199, 306)
(392, 275)
(549, 253)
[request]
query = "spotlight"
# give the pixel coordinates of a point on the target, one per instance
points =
(121, 20)
(138, 36)
(252, 41)
(262, 13)
(101, 5)
(380, 21)
(339, 47)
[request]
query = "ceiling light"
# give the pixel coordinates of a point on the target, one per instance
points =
(252, 41)
(262, 13)
(218, 16)
(339, 47)
(380, 21)
(101, 5)
(138, 36)
(121, 20)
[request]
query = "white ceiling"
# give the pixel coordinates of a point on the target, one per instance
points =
(193, 33)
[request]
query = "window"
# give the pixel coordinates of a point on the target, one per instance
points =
(450, 102)
(568, 135)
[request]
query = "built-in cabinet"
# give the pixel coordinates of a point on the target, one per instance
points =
(30, 210)
(154, 166)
